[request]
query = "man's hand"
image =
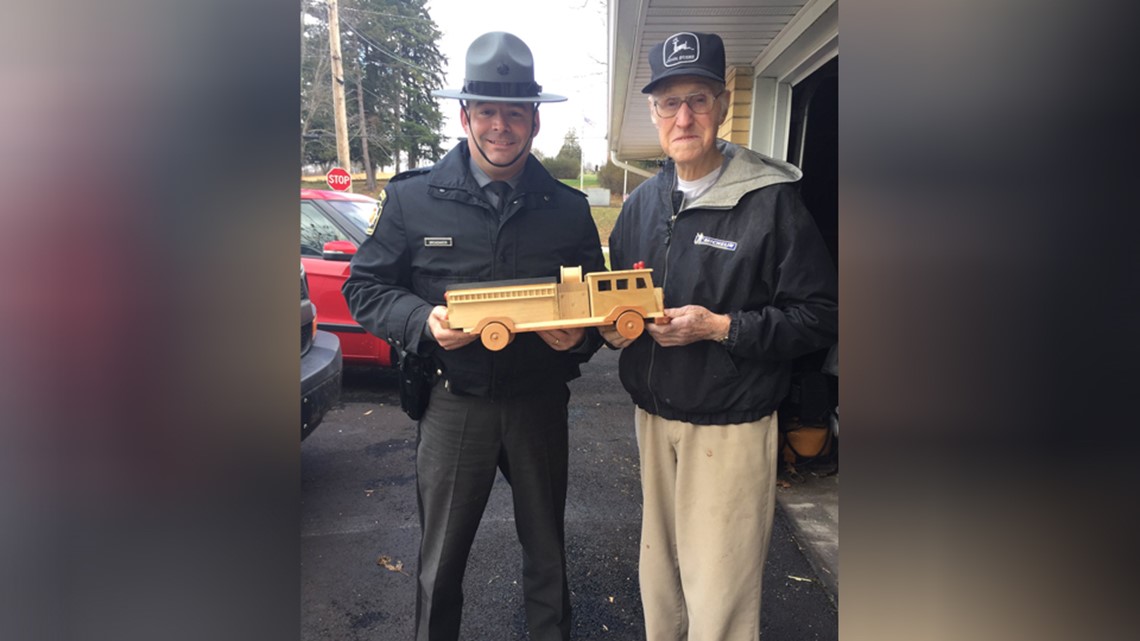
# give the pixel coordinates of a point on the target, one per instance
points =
(611, 335)
(448, 339)
(689, 324)
(561, 340)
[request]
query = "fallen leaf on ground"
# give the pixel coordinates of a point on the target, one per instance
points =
(386, 562)
(799, 578)
(368, 412)
(611, 599)
(368, 492)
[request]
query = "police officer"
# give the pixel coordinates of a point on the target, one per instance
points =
(487, 211)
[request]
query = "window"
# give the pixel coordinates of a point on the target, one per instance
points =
(604, 285)
(623, 283)
(316, 230)
(640, 282)
(360, 213)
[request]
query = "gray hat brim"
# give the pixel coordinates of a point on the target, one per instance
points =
(459, 94)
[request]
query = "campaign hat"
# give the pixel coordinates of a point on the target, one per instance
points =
(500, 68)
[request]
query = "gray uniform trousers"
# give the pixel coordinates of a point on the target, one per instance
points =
(462, 441)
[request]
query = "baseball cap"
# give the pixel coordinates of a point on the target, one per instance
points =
(686, 53)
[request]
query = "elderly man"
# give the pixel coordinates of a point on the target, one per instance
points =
(487, 211)
(748, 287)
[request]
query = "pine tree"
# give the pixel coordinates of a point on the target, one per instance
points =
(389, 46)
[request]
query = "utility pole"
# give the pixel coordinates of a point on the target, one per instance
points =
(369, 175)
(582, 157)
(340, 117)
(581, 170)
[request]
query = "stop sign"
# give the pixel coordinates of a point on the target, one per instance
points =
(338, 179)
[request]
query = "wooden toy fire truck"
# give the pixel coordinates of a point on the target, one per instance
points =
(498, 310)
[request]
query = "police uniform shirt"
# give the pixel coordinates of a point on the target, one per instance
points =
(484, 180)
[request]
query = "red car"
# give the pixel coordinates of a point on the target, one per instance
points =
(333, 225)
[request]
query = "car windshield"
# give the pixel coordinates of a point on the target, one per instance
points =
(356, 211)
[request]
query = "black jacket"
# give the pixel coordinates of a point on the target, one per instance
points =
(748, 248)
(436, 228)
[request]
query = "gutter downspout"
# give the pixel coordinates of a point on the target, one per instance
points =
(628, 167)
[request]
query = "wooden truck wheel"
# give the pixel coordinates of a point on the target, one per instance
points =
(495, 336)
(630, 325)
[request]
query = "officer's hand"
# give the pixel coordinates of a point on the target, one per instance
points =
(611, 335)
(448, 339)
(689, 324)
(563, 339)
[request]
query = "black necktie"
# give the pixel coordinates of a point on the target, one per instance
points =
(500, 189)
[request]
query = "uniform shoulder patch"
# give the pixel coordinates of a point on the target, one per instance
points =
(383, 197)
(375, 217)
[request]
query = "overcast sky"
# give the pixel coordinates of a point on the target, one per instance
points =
(568, 40)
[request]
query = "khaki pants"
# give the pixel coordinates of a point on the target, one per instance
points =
(708, 493)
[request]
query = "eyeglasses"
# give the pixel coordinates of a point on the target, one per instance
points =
(699, 103)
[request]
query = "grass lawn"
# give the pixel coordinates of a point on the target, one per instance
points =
(590, 180)
(604, 218)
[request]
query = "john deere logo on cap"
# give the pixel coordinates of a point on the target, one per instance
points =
(681, 48)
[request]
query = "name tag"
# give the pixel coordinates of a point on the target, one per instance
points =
(437, 241)
(709, 241)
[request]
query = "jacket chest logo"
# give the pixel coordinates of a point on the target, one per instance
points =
(717, 243)
(437, 241)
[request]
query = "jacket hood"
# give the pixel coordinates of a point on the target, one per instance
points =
(746, 172)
